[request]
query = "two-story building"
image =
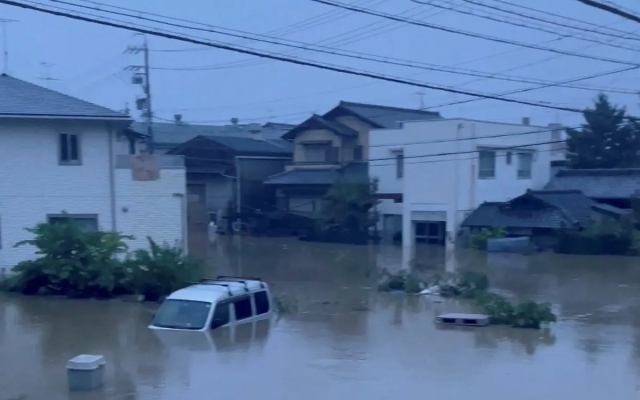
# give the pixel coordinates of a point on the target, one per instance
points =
(329, 146)
(59, 154)
(434, 173)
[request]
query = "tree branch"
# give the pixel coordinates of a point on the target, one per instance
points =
(611, 9)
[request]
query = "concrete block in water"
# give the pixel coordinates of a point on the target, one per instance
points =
(518, 245)
(85, 372)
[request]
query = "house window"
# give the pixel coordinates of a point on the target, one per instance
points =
(400, 165)
(86, 222)
(525, 165)
(508, 158)
(487, 164)
(315, 154)
(69, 149)
(357, 153)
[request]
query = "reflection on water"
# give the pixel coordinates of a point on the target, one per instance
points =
(345, 340)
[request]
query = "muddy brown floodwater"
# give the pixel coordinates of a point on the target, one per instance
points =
(345, 340)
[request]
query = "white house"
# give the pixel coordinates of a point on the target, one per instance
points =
(61, 154)
(433, 173)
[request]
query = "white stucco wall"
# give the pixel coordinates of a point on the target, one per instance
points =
(439, 178)
(33, 185)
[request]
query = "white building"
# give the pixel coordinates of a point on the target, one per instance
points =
(61, 154)
(438, 171)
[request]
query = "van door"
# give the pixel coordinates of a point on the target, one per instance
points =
(221, 314)
(242, 307)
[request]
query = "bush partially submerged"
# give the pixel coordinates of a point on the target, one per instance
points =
(475, 286)
(75, 263)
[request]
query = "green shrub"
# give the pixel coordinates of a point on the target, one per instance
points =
(75, 263)
(401, 282)
(159, 270)
(479, 239)
(71, 262)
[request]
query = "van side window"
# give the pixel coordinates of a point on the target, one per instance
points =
(243, 308)
(262, 303)
(220, 314)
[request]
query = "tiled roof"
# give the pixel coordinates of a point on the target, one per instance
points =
(553, 209)
(598, 183)
(318, 122)
(171, 133)
(250, 145)
(353, 172)
(306, 176)
(387, 117)
(24, 99)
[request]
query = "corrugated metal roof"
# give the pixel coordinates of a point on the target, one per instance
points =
(387, 117)
(24, 99)
(598, 183)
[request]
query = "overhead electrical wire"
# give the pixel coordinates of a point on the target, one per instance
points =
(633, 36)
(257, 53)
(469, 34)
(613, 9)
(490, 17)
(353, 54)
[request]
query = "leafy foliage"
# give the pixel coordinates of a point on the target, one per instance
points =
(606, 139)
(474, 286)
(351, 206)
(159, 270)
(480, 238)
(605, 237)
(76, 263)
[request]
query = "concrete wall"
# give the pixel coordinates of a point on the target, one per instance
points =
(438, 178)
(33, 185)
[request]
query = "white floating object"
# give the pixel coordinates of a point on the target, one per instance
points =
(85, 372)
(463, 319)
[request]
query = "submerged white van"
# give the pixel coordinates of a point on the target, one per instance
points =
(214, 303)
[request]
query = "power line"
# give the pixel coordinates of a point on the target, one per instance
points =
(611, 9)
(528, 26)
(469, 34)
(338, 52)
(257, 53)
(632, 37)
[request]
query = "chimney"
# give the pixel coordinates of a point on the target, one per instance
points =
(526, 121)
(178, 119)
(234, 121)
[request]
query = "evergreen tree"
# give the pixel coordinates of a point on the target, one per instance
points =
(607, 139)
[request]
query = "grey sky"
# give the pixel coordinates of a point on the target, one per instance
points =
(88, 59)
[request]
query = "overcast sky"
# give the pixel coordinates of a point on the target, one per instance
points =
(212, 86)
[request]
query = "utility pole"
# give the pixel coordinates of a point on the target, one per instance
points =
(5, 44)
(141, 77)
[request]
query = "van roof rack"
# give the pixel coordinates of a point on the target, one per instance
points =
(242, 278)
(215, 283)
(239, 279)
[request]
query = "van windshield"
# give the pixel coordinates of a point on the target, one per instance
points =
(182, 314)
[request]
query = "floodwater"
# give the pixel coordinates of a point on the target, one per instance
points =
(344, 340)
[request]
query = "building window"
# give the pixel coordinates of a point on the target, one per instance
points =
(357, 153)
(69, 149)
(262, 303)
(315, 154)
(86, 222)
(400, 165)
(508, 157)
(487, 164)
(525, 165)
